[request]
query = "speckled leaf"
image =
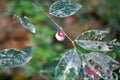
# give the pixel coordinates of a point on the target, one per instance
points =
(102, 64)
(68, 66)
(93, 40)
(26, 23)
(64, 8)
(102, 59)
(13, 57)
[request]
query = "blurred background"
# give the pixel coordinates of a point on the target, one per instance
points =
(94, 14)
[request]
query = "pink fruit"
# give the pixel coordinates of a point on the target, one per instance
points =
(60, 36)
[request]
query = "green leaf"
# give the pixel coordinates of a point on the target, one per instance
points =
(115, 50)
(26, 23)
(28, 49)
(106, 63)
(93, 40)
(49, 67)
(13, 57)
(64, 8)
(68, 66)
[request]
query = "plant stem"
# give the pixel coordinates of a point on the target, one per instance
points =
(58, 26)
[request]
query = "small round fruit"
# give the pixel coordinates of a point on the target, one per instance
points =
(60, 36)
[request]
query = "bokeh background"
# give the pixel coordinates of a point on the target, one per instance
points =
(94, 14)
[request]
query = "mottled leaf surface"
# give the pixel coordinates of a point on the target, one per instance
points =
(64, 8)
(68, 66)
(102, 59)
(26, 23)
(93, 40)
(13, 57)
(102, 64)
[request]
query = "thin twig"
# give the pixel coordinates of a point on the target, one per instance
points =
(58, 26)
